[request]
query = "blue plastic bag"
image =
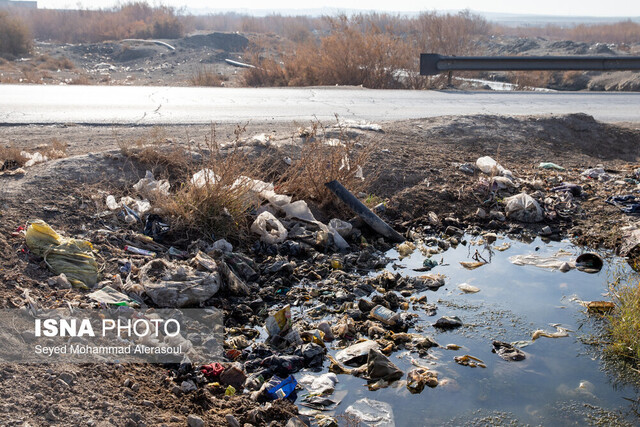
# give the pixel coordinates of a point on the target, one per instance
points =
(283, 389)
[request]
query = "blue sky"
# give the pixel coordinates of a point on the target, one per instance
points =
(620, 8)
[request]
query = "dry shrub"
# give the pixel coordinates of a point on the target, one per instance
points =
(11, 158)
(47, 62)
(223, 208)
(131, 20)
(322, 160)
(218, 209)
(206, 76)
(81, 79)
(56, 149)
(268, 72)
(347, 56)
(448, 34)
(375, 51)
(14, 35)
(532, 79)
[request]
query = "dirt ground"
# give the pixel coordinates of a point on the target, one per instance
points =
(415, 167)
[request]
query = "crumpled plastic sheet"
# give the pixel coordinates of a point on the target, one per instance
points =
(372, 412)
(551, 262)
(72, 257)
(628, 204)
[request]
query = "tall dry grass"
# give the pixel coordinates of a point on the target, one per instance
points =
(206, 76)
(624, 322)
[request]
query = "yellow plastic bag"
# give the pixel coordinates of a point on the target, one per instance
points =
(72, 257)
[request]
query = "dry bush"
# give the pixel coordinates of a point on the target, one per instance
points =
(448, 34)
(347, 56)
(11, 158)
(375, 51)
(47, 62)
(14, 35)
(81, 79)
(220, 208)
(322, 160)
(131, 20)
(531, 79)
(223, 208)
(206, 76)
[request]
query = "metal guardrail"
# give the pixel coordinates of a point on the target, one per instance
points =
(432, 63)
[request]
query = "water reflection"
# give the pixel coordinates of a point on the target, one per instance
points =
(562, 380)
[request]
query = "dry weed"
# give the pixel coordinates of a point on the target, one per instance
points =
(206, 76)
(322, 160)
(11, 158)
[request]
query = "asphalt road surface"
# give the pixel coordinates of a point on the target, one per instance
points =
(38, 104)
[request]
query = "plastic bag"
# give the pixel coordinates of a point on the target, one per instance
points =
(298, 210)
(269, 228)
(487, 165)
(72, 257)
(372, 413)
(173, 285)
(149, 186)
(283, 389)
(204, 177)
(524, 208)
(108, 295)
(343, 228)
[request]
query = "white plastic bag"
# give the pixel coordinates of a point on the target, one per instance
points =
(269, 228)
(150, 186)
(524, 208)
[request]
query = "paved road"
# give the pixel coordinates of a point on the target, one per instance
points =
(23, 104)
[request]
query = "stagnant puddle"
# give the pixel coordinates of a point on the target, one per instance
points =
(561, 381)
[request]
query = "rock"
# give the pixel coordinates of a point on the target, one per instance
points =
(67, 378)
(195, 421)
(453, 231)
(232, 421)
(448, 322)
(497, 215)
(188, 386)
(490, 237)
(481, 213)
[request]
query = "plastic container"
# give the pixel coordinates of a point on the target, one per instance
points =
(386, 316)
